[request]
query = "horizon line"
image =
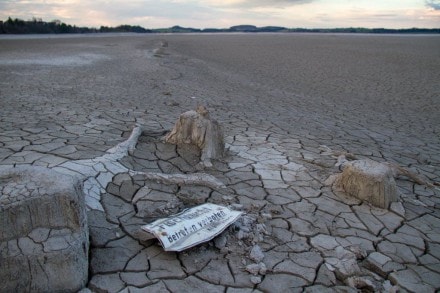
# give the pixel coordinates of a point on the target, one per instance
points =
(221, 28)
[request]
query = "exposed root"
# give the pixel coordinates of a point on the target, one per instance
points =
(399, 170)
(201, 179)
(347, 155)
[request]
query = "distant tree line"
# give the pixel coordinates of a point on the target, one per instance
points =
(38, 26)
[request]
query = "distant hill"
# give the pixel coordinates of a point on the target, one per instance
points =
(243, 28)
(177, 29)
(38, 26)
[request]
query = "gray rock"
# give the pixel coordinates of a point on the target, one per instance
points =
(263, 269)
(241, 276)
(220, 241)
(254, 269)
(256, 254)
(256, 280)
(42, 214)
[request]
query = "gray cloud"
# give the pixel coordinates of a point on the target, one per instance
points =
(433, 4)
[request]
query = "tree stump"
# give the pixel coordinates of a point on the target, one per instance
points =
(44, 236)
(370, 181)
(197, 128)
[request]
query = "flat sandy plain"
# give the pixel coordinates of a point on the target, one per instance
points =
(283, 100)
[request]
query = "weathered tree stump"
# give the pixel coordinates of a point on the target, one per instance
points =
(197, 128)
(44, 236)
(370, 181)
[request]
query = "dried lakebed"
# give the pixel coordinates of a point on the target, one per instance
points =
(297, 234)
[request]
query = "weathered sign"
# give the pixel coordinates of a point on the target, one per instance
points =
(192, 226)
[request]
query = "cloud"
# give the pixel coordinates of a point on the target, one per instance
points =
(108, 12)
(435, 4)
(256, 3)
(226, 13)
(277, 2)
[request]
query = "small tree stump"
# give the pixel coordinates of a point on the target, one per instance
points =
(370, 181)
(197, 128)
(44, 239)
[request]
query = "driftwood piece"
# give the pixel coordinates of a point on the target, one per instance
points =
(370, 181)
(197, 128)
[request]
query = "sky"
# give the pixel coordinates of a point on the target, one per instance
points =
(226, 13)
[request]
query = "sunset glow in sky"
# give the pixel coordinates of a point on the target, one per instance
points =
(226, 13)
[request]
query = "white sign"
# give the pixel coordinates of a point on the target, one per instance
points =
(192, 226)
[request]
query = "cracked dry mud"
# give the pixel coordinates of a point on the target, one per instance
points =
(283, 101)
